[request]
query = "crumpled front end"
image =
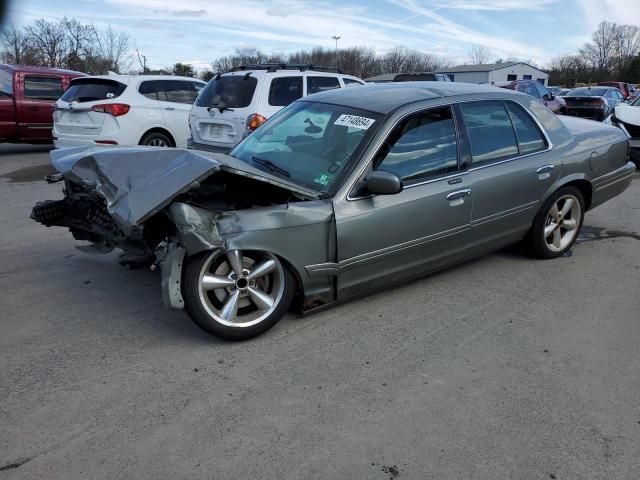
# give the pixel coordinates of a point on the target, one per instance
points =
(162, 205)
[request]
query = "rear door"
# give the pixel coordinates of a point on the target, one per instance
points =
(175, 98)
(74, 116)
(512, 168)
(35, 105)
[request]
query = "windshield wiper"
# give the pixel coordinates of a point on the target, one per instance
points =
(221, 107)
(272, 167)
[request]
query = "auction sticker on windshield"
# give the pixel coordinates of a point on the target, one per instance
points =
(363, 123)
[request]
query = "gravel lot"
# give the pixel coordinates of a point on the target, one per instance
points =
(502, 368)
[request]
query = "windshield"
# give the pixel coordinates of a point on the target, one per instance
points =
(308, 143)
(233, 91)
(92, 89)
(587, 92)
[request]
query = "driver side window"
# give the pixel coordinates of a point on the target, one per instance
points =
(422, 146)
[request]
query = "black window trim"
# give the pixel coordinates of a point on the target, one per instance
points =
(352, 189)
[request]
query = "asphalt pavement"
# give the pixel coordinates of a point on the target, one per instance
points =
(505, 367)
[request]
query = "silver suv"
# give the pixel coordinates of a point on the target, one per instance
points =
(236, 103)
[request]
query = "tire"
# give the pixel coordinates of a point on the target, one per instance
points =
(156, 139)
(543, 240)
(237, 295)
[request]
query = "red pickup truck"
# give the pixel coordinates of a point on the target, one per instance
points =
(27, 98)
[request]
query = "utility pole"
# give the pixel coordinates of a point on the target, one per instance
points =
(336, 38)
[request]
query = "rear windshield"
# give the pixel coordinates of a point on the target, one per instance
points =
(92, 89)
(233, 91)
(587, 92)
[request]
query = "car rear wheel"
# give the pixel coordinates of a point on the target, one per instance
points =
(237, 294)
(557, 224)
(156, 139)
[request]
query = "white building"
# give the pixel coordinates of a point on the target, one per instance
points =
(495, 72)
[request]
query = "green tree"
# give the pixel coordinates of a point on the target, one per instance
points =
(183, 69)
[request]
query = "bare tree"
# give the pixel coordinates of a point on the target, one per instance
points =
(479, 54)
(49, 41)
(142, 60)
(601, 52)
(113, 48)
(17, 47)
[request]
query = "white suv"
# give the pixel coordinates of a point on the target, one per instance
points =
(236, 103)
(125, 110)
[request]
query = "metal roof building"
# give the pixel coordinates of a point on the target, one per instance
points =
(495, 72)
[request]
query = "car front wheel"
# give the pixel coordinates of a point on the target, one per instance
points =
(237, 294)
(557, 224)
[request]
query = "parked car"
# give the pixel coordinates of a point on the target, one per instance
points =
(234, 104)
(27, 97)
(595, 103)
(563, 92)
(409, 77)
(126, 110)
(554, 90)
(342, 193)
(536, 90)
(627, 118)
(623, 87)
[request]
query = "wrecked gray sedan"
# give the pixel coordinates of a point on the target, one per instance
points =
(340, 194)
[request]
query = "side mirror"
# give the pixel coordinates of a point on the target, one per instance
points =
(383, 183)
(547, 97)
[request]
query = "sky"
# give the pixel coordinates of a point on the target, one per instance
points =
(198, 31)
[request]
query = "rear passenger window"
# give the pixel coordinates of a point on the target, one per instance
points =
(423, 146)
(176, 91)
(490, 131)
(42, 88)
(149, 89)
(529, 137)
(350, 82)
(320, 84)
(285, 90)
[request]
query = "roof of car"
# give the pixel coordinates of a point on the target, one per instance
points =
(128, 78)
(385, 97)
(287, 71)
(32, 69)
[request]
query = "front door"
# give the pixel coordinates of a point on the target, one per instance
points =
(387, 238)
(511, 170)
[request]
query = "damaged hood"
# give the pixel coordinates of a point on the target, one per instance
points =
(138, 182)
(628, 114)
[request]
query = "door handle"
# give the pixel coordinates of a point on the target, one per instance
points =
(34, 109)
(459, 194)
(544, 171)
(169, 108)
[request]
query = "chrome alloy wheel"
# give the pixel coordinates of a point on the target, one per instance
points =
(240, 289)
(561, 225)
